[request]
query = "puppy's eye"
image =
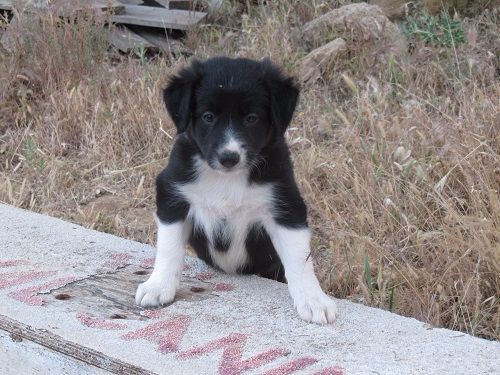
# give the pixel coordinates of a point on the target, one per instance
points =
(251, 119)
(208, 117)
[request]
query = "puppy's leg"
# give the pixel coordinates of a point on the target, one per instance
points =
(292, 246)
(161, 286)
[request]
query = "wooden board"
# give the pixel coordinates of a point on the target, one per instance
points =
(110, 296)
(180, 4)
(131, 2)
(65, 8)
(126, 40)
(163, 43)
(5, 5)
(172, 4)
(19, 331)
(158, 17)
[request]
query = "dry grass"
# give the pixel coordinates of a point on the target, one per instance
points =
(399, 165)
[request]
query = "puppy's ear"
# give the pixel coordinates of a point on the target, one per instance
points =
(283, 93)
(179, 94)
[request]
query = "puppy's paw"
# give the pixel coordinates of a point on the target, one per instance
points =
(156, 291)
(315, 306)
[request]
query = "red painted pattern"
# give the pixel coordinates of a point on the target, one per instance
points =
(232, 362)
(29, 295)
(153, 314)
(335, 370)
(293, 366)
(150, 262)
(204, 276)
(223, 287)
(11, 262)
(9, 279)
(167, 334)
(88, 321)
(117, 260)
(147, 262)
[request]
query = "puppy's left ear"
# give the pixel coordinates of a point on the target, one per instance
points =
(284, 95)
(179, 95)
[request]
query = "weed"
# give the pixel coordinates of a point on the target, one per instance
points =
(440, 30)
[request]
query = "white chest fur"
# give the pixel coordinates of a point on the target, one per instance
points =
(216, 197)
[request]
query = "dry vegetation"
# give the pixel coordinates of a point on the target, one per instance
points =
(398, 159)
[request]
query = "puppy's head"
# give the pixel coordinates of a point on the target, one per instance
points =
(231, 108)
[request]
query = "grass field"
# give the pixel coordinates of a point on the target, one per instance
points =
(396, 156)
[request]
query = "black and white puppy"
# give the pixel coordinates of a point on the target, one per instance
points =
(229, 187)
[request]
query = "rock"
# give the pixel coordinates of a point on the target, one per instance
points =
(393, 9)
(320, 60)
(359, 21)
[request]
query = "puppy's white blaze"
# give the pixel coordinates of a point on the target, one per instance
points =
(232, 144)
(216, 196)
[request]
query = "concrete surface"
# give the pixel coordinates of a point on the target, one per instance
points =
(66, 306)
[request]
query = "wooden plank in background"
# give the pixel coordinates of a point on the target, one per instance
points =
(164, 44)
(174, 4)
(131, 2)
(5, 5)
(126, 40)
(181, 4)
(64, 7)
(158, 17)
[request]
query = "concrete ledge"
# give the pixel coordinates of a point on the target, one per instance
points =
(66, 306)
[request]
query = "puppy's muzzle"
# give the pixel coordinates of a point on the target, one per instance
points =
(229, 159)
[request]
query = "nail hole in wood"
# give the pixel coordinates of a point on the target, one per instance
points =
(197, 289)
(62, 296)
(118, 316)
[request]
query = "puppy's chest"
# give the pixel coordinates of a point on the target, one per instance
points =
(217, 197)
(225, 207)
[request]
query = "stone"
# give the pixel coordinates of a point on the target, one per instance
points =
(321, 59)
(359, 21)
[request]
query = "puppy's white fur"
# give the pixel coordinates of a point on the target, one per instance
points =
(216, 196)
(164, 280)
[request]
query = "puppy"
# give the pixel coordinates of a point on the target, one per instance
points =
(229, 187)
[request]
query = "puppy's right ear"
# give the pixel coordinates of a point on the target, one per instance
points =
(179, 94)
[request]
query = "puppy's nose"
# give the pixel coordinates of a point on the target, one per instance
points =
(229, 158)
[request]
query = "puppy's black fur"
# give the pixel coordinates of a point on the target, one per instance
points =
(257, 102)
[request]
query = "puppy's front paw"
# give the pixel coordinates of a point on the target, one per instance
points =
(156, 291)
(315, 306)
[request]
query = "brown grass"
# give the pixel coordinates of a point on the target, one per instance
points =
(399, 165)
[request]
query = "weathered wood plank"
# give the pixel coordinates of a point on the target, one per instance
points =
(173, 4)
(110, 295)
(126, 40)
(131, 2)
(158, 17)
(20, 331)
(164, 44)
(180, 4)
(65, 8)
(5, 5)
(19, 356)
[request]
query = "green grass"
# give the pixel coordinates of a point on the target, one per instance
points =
(437, 30)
